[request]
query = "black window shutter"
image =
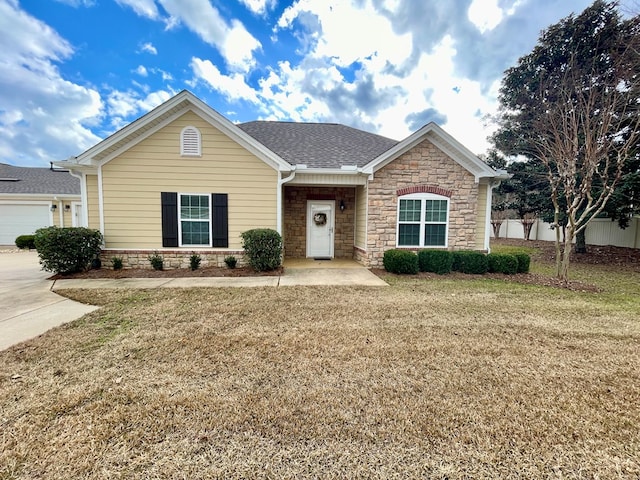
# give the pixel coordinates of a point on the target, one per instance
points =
(220, 222)
(169, 219)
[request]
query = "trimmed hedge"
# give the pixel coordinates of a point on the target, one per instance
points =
(436, 261)
(469, 261)
(67, 250)
(524, 261)
(464, 261)
(502, 263)
(26, 241)
(263, 248)
(400, 261)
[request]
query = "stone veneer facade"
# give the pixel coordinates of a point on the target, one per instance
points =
(172, 259)
(295, 219)
(423, 168)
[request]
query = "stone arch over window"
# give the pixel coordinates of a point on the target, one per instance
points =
(190, 142)
(424, 189)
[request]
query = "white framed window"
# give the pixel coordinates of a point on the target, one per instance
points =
(190, 142)
(194, 219)
(423, 220)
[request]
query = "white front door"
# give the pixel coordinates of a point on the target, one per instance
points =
(320, 227)
(76, 214)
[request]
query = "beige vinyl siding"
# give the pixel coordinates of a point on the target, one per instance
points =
(56, 216)
(361, 217)
(481, 217)
(93, 208)
(66, 215)
(133, 181)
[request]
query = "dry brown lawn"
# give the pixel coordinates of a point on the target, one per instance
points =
(424, 379)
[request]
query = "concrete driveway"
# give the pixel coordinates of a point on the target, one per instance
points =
(28, 307)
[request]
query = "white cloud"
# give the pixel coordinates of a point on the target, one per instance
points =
(142, 71)
(123, 107)
(340, 40)
(233, 86)
(485, 14)
(35, 98)
(258, 7)
(416, 76)
(232, 39)
(78, 3)
(144, 8)
(149, 48)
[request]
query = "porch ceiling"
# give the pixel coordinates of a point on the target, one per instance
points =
(327, 179)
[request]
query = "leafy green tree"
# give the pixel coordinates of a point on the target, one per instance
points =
(572, 105)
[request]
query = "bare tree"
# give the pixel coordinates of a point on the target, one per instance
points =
(583, 137)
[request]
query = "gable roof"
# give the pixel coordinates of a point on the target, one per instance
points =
(318, 145)
(283, 145)
(29, 180)
(445, 142)
(162, 115)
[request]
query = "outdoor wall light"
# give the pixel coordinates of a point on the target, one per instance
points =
(54, 207)
(67, 208)
(342, 206)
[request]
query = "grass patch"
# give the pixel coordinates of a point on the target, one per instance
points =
(442, 378)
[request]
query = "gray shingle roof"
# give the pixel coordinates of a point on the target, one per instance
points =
(318, 145)
(37, 180)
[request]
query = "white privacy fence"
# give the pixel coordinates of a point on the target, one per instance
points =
(600, 231)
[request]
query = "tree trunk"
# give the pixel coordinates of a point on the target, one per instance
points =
(581, 241)
(566, 255)
(496, 224)
(527, 224)
(556, 217)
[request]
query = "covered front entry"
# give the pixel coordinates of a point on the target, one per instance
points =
(320, 228)
(329, 235)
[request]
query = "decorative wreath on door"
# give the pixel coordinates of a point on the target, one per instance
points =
(320, 218)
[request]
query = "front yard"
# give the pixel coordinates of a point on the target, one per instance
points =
(436, 378)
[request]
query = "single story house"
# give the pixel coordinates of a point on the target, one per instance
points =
(31, 198)
(184, 179)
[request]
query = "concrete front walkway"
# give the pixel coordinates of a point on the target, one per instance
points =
(296, 272)
(28, 307)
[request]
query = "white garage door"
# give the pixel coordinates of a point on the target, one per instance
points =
(18, 220)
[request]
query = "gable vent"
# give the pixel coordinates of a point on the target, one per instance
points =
(190, 142)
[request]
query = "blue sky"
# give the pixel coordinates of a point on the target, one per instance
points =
(73, 72)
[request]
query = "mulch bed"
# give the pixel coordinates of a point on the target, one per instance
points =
(596, 255)
(173, 273)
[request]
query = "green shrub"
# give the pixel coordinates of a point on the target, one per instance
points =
(502, 263)
(116, 262)
(524, 261)
(400, 261)
(436, 261)
(263, 248)
(194, 261)
(67, 250)
(468, 261)
(156, 261)
(26, 241)
(230, 261)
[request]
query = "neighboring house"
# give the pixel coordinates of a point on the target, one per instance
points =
(184, 179)
(31, 198)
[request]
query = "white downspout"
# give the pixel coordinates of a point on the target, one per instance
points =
(281, 182)
(487, 228)
(101, 200)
